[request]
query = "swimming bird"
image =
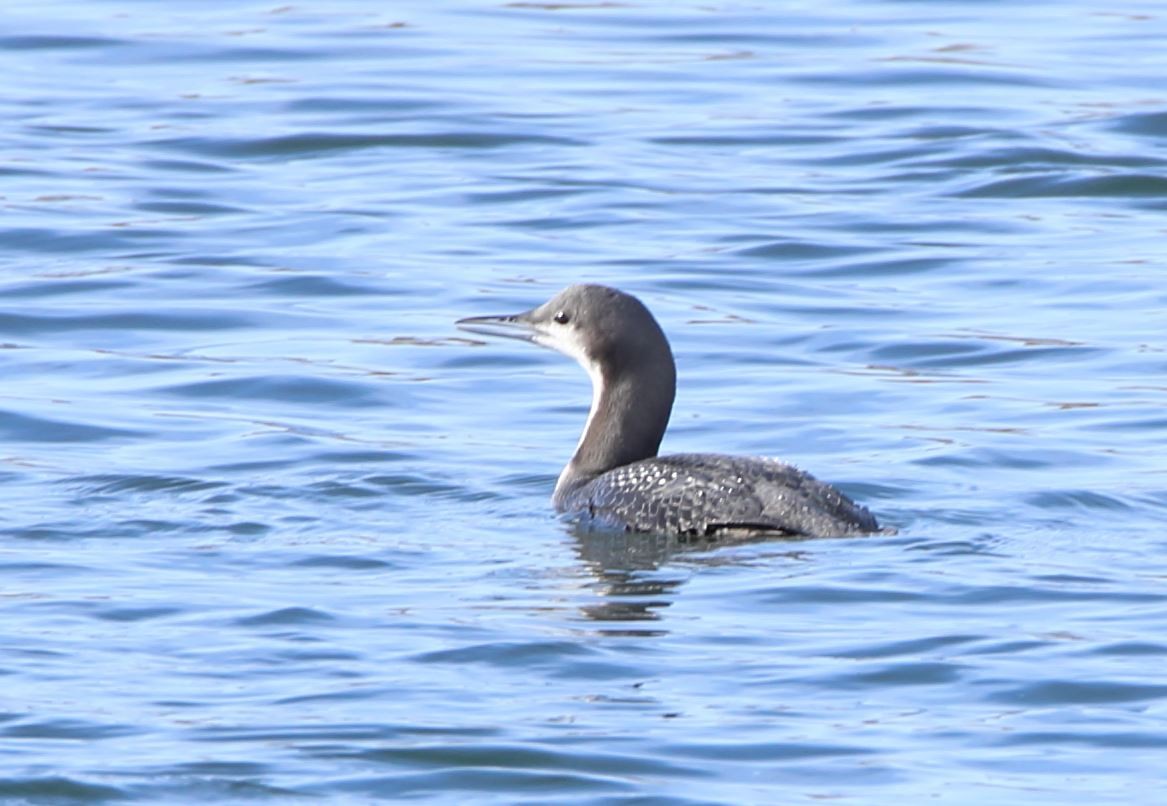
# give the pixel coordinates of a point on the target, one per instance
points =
(616, 480)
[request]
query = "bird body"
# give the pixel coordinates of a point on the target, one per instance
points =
(707, 494)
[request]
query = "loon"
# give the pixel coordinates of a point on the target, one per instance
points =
(616, 480)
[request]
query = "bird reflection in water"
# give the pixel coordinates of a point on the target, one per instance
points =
(632, 577)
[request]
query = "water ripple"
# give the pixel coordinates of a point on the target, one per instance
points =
(56, 788)
(25, 428)
(323, 142)
(1051, 693)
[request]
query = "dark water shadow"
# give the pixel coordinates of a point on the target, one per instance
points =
(637, 575)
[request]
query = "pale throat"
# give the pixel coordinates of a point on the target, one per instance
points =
(597, 379)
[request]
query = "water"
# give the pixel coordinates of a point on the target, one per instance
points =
(273, 530)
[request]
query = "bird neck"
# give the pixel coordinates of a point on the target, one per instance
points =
(631, 404)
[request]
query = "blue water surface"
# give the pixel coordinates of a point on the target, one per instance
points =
(271, 529)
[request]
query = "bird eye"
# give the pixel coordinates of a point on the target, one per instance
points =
(562, 317)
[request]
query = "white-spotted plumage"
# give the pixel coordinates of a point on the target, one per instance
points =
(717, 494)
